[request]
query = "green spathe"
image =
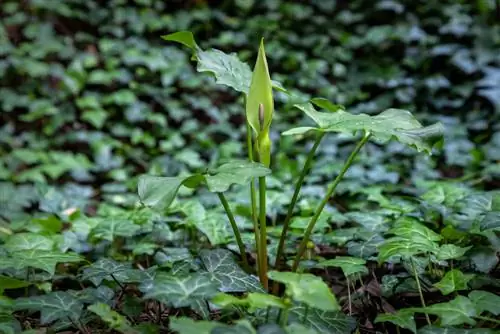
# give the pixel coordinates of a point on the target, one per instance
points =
(260, 106)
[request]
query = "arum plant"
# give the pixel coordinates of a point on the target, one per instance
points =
(257, 89)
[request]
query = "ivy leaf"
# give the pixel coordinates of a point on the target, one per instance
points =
(390, 124)
(410, 228)
(308, 289)
(485, 301)
(451, 330)
(110, 227)
(450, 252)
(178, 291)
(53, 306)
(403, 247)
(223, 270)
(114, 320)
(159, 192)
(453, 313)
(402, 318)
(234, 172)
(454, 280)
(349, 265)
(185, 325)
(39, 259)
(322, 321)
(27, 241)
(109, 270)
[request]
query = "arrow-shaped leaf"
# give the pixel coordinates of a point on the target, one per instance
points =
(403, 318)
(390, 124)
(349, 265)
(454, 280)
(453, 313)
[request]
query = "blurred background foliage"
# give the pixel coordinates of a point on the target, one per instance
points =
(91, 97)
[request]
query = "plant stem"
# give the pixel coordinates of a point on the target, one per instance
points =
(117, 282)
(253, 197)
(349, 295)
(488, 319)
(419, 287)
(236, 231)
(263, 232)
(283, 317)
(298, 186)
(325, 200)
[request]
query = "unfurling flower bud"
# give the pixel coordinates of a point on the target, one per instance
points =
(260, 106)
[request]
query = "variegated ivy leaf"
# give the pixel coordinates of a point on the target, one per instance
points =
(454, 280)
(179, 291)
(226, 274)
(110, 270)
(402, 318)
(183, 325)
(485, 301)
(39, 259)
(159, 192)
(390, 124)
(333, 322)
(349, 265)
(53, 306)
(456, 312)
(26, 241)
(227, 69)
(108, 228)
(114, 319)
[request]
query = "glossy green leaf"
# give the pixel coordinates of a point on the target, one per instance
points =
(39, 259)
(27, 241)
(450, 251)
(322, 321)
(224, 272)
(109, 270)
(454, 280)
(113, 319)
(53, 306)
(403, 247)
(111, 227)
(349, 265)
(485, 301)
(234, 172)
(390, 124)
(179, 291)
(183, 37)
(159, 192)
(183, 325)
(7, 283)
(402, 318)
(253, 301)
(453, 313)
(308, 289)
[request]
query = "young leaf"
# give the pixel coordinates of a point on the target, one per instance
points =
(308, 289)
(403, 247)
(7, 283)
(485, 301)
(410, 228)
(450, 252)
(184, 325)
(53, 306)
(159, 192)
(114, 319)
(453, 313)
(454, 280)
(234, 172)
(402, 318)
(349, 265)
(390, 124)
(253, 301)
(184, 37)
(223, 271)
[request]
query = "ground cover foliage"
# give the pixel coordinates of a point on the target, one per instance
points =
(92, 98)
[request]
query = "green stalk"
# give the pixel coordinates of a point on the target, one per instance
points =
(253, 196)
(236, 231)
(419, 287)
(263, 232)
(488, 319)
(298, 186)
(325, 200)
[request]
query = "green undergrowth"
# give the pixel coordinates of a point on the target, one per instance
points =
(91, 98)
